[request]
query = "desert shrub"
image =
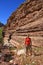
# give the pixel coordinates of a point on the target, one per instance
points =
(7, 57)
(1, 37)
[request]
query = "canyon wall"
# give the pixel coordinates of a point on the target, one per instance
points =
(26, 20)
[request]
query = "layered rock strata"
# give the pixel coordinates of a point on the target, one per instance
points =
(27, 19)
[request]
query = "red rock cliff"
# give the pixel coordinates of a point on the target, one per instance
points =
(27, 19)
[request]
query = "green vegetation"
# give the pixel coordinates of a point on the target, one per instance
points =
(0, 32)
(1, 37)
(12, 48)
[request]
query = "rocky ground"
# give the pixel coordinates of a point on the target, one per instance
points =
(14, 56)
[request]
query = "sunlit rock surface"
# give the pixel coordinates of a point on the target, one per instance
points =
(27, 19)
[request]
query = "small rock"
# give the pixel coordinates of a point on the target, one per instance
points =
(11, 61)
(22, 51)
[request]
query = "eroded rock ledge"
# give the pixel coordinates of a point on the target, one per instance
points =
(27, 19)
